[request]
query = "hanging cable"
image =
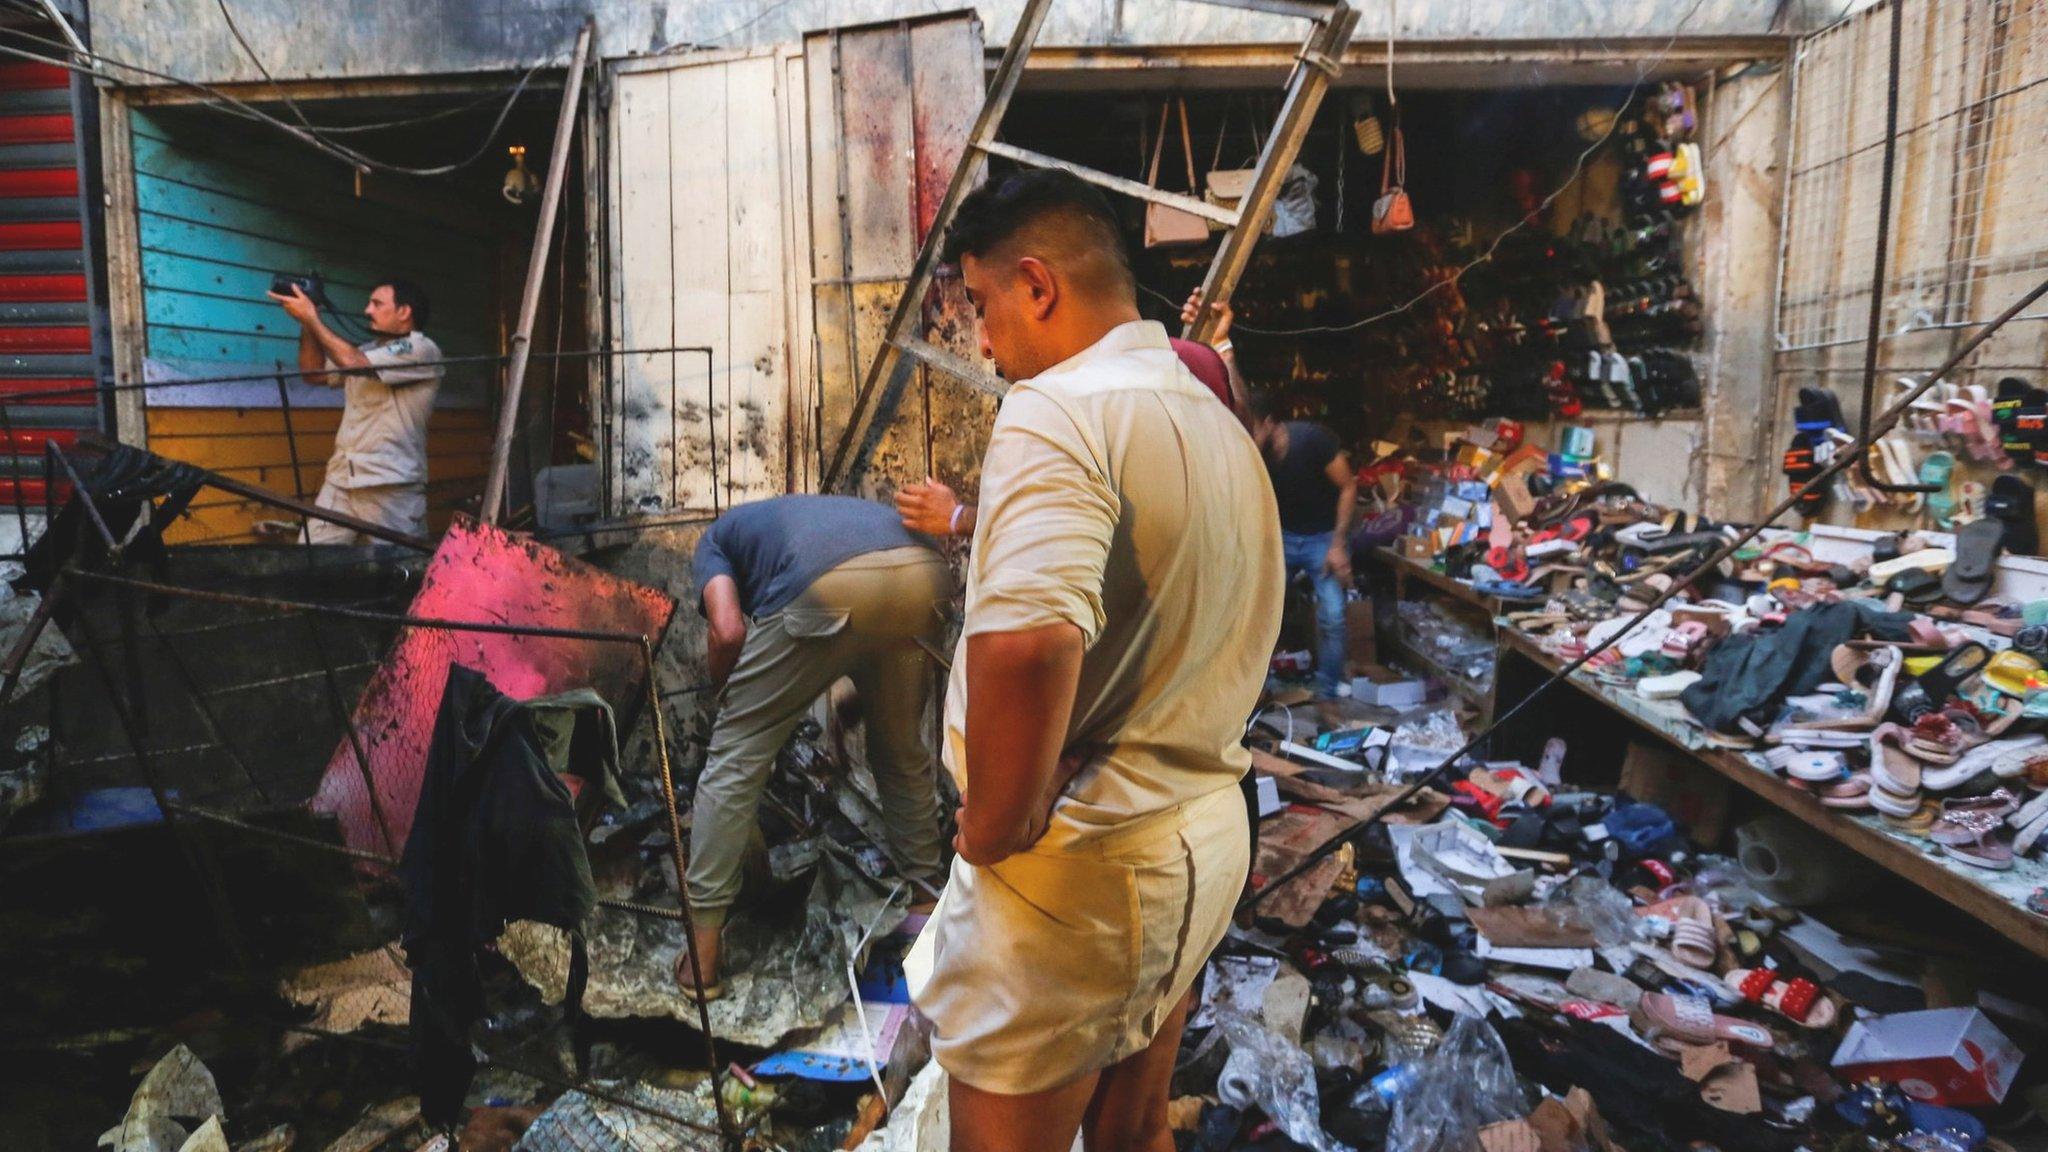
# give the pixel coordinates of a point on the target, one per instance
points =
(482, 99)
(311, 137)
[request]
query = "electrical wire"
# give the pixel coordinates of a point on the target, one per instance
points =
(480, 100)
(1578, 167)
(221, 100)
(490, 138)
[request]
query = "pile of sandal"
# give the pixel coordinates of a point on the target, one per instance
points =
(1538, 966)
(1934, 738)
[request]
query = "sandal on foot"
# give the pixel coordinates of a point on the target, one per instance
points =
(685, 976)
(1797, 1000)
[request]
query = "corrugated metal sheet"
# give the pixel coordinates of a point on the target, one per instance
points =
(45, 319)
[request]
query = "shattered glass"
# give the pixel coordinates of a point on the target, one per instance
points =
(782, 974)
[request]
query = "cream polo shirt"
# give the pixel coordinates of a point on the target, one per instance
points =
(383, 433)
(1117, 495)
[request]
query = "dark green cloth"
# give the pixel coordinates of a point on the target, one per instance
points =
(1746, 678)
(494, 838)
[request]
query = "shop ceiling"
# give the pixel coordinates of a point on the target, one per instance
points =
(1437, 65)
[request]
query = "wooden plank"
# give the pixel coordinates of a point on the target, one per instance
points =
(946, 92)
(880, 142)
(1193, 205)
(699, 219)
(838, 372)
(1002, 86)
(752, 432)
(1456, 589)
(1896, 855)
(644, 255)
(800, 395)
(128, 328)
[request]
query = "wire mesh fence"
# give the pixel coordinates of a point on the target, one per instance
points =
(1970, 204)
(199, 718)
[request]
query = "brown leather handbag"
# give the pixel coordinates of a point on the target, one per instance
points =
(1165, 225)
(1392, 212)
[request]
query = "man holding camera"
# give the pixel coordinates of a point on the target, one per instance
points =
(378, 471)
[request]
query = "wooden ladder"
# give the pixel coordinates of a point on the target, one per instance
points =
(1315, 66)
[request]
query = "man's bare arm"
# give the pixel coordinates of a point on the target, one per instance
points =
(313, 362)
(1020, 699)
(301, 308)
(728, 633)
(1340, 473)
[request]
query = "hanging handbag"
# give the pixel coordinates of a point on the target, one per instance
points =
(1227, 187)
(1392, 212)
(1166, 225)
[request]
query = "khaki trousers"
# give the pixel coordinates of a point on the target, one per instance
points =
(862, 619)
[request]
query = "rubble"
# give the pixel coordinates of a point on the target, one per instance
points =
(178, 1090)
(788, 971)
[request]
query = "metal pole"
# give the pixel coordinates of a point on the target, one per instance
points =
(1877, 273)
(536, 268)
(682, 867)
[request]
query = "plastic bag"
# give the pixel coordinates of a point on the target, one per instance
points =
(1464, 1084)
(1264, 1069)
(1605, 910)
(1294, 210)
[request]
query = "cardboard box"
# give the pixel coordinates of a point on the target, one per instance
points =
(1361, 646)
(1386, 688)
(1950, 1056)
(1416, 547)
(1675, 782)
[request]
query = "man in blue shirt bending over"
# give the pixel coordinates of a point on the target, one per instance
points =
(800, 591)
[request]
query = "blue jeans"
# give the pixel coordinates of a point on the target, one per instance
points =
(1305, 553)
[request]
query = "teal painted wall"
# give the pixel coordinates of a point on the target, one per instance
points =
(222, 207)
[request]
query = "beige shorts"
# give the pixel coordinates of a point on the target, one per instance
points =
(1067, 958)
(401, 507)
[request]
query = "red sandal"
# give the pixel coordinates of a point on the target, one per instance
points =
(1798, 1000)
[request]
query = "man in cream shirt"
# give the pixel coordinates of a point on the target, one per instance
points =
(378, 471)
(1123, 597)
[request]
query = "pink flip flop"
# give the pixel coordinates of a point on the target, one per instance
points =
(1666, 1021)
(1797, 1000)
(1694, 942)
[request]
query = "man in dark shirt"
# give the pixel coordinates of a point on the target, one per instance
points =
(1317, 492)
(833, 586)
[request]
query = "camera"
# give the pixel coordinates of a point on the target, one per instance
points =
(283, 283)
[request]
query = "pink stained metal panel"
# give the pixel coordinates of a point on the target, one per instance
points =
(482, 575)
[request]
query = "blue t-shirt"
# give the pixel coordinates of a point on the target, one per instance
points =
(773, 549)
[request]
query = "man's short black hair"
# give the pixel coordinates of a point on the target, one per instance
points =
(407, 294)
(1006, 205)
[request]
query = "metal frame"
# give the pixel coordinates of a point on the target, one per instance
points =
(1316, 64)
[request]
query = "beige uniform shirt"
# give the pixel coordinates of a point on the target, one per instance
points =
(383, 433)
(1117, 495)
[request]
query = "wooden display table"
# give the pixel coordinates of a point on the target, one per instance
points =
(1998, 899)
